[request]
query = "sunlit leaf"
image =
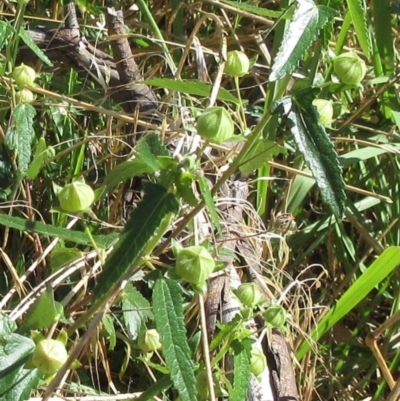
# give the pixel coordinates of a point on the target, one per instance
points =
(168, 314)
(307, 21)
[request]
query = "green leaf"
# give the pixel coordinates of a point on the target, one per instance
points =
(149, 148)
(158, 387)
(144, 221)
(191, 88)
(260, 155)
(369, 279)
(33, 46)
(26, 381)
(264, 12)
(108, 324)
(241, 371)
(136, 310)
(43, 313)
(126, 171)
(208, 199)
(41, 154)
(46, 229)
(316, 147)
(23, 116)
(6, 30)
(359, 18)
(168, 315)
(307, 21)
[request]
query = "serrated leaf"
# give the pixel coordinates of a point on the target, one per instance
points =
(34, 47)
(264, 12)
(168, 315)
(11, 139)
(6, 30)
(208, 199)
(241, 371)
(42, 314)
(144, 221)
(316, 147)
(359, 18)
(126, 171)
(192, 88)
(149, 148)
(136, 310)
(23, 117)
(23, 384)
(307, 21)
(260, 155)
(46, 229)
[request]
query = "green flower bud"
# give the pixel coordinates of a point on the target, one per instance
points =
(49, 355)
(258, 361)
(275, 316)
(325, 111)
(194, 264)
(215, 124)
(248, 294)
(149, 341)
(24, 75)
(76, 197)
(24, 96)
(349, 68)
(237, 64)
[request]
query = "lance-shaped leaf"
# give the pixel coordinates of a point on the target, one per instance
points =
(168, 314)
(307, 21)
(316, 147)
(359, 18)
(141, 227)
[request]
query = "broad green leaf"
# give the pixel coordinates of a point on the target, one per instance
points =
(26, 381)
(126, 171)
(369, 279)
(62, 256)
(208, 199)
(191, 88)
(34, 47)
(23, 116)
(136, 310)
(6, 31)
(316, 147)
(359, 18)
(241, 370)
(260, 155)
(144, 221)
(264, 12)
(46, 229)
(43, 313)
(11, 139)
(7, 326)
(307, 21)
(150, 147)
(168, 315)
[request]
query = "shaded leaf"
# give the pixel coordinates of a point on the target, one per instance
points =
(6, 31)
(254, 9)
(144, 221)
(316, 147)
(208, 199)
(307, 21)
(168, 315)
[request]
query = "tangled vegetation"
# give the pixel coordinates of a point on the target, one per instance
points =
(199, 200)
